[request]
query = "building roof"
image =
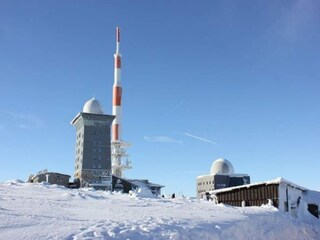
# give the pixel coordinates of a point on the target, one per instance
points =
(279, 180)
(138, 183)
(221, 166)
(230, 175)
(93, 106)
(45, 173)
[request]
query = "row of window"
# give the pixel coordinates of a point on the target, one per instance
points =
(78, 150)
(94, 166)
(205, 183)
(97, 132)
(207, 190)
(79, 135)
(98, 142)
(94, 158)
(94, 149)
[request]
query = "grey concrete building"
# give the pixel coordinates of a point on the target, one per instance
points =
(221, 176)
(93, 152)
(51, 177)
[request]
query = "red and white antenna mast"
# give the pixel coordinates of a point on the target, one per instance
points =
(117, 145)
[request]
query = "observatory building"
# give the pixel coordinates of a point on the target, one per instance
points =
(101, 157)
(221, 176)
(93, 153)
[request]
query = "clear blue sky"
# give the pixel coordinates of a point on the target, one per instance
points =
(201, 80)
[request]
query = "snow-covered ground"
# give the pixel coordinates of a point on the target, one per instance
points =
(41, 211)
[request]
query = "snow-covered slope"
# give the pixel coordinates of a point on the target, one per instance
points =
(41, 211)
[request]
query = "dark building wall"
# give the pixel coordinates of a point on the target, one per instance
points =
(224, 181)
(96, 152)
(253, 195)
(93, 148)
(221, 181)
(120, 184)
(238, 181)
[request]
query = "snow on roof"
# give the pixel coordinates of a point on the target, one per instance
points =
(45, 173)
(230, 175)
(312, 197)
(206, 175)
(143, 182)
(278, 180)
(285, 181)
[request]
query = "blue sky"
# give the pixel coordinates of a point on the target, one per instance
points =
(201, 80)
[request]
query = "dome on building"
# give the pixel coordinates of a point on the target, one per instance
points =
(221, 166)
(92, 106)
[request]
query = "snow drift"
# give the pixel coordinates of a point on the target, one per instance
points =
(41, 211)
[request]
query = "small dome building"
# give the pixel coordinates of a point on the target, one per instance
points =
(221, 166)
(93, 106)
(221, 176)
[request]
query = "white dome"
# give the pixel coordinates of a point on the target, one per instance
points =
(221, 166)
(92, 106)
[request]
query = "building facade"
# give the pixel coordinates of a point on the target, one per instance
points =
(51, 178)
(93, 152)
(221, 176)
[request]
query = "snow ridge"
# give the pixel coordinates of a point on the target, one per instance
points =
(42, 211)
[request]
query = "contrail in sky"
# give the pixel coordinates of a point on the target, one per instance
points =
(176, 106)
(200, 138)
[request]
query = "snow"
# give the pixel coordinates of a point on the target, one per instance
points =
(43, 211)
(142, 192)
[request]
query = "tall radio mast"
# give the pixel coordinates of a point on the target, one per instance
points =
(118, 152)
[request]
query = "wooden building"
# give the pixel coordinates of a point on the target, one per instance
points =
(282, 194)
(251, 195)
